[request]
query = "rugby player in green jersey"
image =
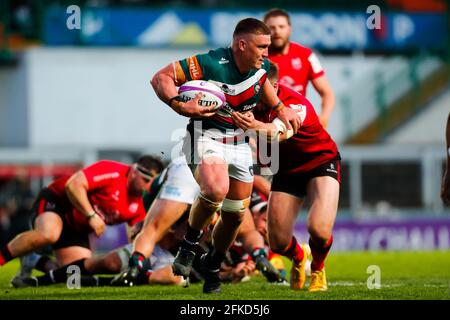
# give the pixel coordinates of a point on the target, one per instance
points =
(215, 148)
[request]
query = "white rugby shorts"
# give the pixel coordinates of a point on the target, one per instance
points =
(179, 183)
(238, 156)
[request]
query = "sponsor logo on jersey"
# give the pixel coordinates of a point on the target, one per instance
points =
(296, 63)
(223, 61)
(332, 168)
(50, 206)
(112, 175)
(241, 87)
(227, 89)
(257, 88)
(248, 107)
(194, 68)
(227, 110)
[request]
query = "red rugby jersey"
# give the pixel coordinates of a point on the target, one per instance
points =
(107, 193)
(311, 146)
(297, 67)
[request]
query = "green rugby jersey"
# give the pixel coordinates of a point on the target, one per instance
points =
(242, 91)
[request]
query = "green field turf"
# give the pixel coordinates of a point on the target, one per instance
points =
(404, 275)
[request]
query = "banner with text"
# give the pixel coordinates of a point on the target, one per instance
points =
(174, 28)
(377, 235)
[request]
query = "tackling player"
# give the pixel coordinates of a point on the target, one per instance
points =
(309, 167)
(70, 208)
(155, 269)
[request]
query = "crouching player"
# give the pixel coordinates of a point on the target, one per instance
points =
(155, 269)
(309, 166)
(106, 192)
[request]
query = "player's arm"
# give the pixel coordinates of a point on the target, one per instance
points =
(323, 87)
(247, 121)
(77, 191)
(165, 83)
(275, 129)
(286, 115)
(445, 188)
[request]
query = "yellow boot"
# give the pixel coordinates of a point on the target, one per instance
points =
(318, 281)
(298, 276)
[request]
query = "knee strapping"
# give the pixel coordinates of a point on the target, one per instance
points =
(214, 206)
(237, 206)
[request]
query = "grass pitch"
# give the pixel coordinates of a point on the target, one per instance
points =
(404, 275)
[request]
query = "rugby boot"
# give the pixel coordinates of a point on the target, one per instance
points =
(182, 264)
(318, 281)
(298, 276)
(127, 278)
(268, 270)
(27, 263)
(212, 279)
(19, 282)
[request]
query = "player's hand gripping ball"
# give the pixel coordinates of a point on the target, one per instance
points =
(212, 94)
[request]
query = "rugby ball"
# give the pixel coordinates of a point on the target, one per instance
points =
(212, 94)
(282, 129)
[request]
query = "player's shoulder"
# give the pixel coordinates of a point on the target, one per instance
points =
(203, 57)
(300, 49)
(290, 96)
(218, 55)
(111, 164)
(285, 92)
(214, 60)
(218, 52)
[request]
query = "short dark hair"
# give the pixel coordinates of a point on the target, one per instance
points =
(150, 163)
(276, 12)
(252, 26)
(273, 71)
